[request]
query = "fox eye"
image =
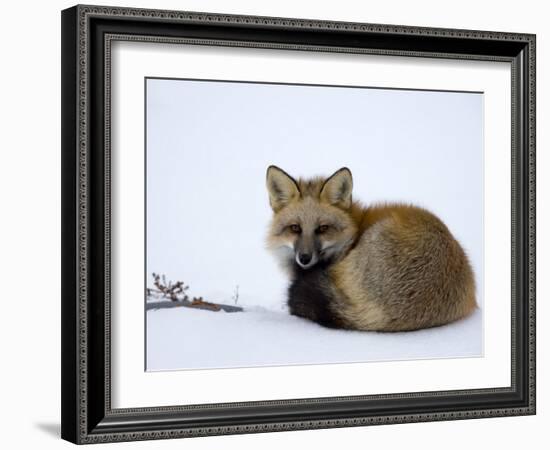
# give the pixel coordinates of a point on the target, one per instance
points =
(295, 228)
(322, 229)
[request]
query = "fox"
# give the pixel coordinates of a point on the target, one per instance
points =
(386, 267)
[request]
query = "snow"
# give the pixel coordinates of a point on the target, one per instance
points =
(207, 153)
(208, 147)
(186, 338)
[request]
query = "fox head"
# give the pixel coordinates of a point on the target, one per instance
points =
(311, 218)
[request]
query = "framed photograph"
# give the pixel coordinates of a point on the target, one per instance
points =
(279, 224)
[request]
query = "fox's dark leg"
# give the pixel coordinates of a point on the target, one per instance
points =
(310, 296)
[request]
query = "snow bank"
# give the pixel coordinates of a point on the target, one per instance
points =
(184, 338)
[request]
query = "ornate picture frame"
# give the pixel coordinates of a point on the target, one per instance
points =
(88, 415)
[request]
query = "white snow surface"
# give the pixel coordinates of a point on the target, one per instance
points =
(208, 147)
(186, 338)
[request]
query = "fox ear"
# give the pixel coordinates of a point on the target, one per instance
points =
(282, 188)
(337, 189)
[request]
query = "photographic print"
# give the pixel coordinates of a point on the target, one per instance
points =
(275, 224)
(294, 224)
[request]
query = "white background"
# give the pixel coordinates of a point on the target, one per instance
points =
(30, 191)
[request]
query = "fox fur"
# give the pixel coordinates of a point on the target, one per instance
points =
(387, 267)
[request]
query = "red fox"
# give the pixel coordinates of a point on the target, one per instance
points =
(389, 267)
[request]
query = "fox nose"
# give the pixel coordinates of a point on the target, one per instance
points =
(304, 258)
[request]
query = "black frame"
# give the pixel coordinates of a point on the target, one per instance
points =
(87, 31)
